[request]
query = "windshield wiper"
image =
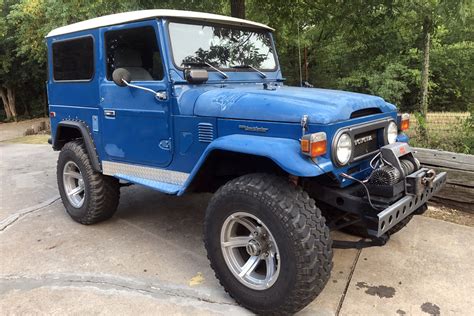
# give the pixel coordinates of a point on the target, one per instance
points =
(250, 67)
(205, 63)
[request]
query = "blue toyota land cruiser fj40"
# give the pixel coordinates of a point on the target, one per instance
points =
(183, 101)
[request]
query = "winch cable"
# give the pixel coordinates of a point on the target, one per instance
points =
(372, 162)
(381, 159)
(365, 187)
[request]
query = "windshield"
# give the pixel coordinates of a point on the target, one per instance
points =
(221, 46)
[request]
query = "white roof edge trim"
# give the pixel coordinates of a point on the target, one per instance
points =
(124, 17)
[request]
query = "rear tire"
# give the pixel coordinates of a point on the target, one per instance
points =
(297, 238)
(88, 196)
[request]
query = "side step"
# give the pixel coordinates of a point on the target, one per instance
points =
(156, 185)
(167, 181)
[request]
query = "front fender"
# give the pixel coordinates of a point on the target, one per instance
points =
(286, 153)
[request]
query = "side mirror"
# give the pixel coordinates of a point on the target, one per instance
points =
(196, 75)
(120, 75)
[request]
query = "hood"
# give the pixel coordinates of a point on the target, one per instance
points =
(285, 104)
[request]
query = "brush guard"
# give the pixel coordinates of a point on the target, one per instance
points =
(394, 200)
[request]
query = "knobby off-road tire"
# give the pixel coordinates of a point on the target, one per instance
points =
(99, 195)
(297, 228)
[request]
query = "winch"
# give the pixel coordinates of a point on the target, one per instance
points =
(395, 163)
(387, 174)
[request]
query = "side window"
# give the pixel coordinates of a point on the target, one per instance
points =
(73, 59)
(135, 50)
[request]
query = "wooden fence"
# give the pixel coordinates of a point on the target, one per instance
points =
(459, 189)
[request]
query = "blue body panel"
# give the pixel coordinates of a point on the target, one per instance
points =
(141, 125)
(285, 104)
(283, 151)
(166, 134)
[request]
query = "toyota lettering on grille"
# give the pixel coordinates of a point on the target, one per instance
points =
(362, 140)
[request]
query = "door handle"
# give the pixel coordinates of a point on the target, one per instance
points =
(161, 95)
(109, 113)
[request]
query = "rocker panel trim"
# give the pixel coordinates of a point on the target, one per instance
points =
(120, 170)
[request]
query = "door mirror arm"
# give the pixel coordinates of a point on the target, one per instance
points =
(122, 78)
(159, 95)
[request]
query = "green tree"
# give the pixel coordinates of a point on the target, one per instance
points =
(24, 25)
(9, 63)
(373, 46)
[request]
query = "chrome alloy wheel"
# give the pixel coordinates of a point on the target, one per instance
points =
(250, 251)
(74, 184)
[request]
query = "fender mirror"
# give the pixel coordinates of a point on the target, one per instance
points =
(121, 77)
(195, 75)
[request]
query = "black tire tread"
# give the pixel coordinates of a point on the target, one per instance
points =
(310, 235)
(104, 193)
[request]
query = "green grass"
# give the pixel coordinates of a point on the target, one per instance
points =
(31, 139)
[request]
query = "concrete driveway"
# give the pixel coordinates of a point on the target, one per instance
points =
(150, 259)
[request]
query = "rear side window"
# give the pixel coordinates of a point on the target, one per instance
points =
(73, 59)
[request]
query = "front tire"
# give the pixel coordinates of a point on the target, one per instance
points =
(268, 244)
(88, 196)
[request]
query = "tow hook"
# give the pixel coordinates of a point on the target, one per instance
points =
(428, 178)
(417, 182)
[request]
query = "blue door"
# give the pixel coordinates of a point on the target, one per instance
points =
(134, 124)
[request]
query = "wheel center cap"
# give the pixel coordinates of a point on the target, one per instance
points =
(253, 248)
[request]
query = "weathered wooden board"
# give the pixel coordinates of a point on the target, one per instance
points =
(445, 159)
(457, 177)
(459, 189)
(457, 193)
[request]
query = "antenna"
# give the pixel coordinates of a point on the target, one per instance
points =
(299, 53)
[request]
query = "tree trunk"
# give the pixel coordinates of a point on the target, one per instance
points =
(426, 68)
(306, 74)
(12, 102)
(425, 76)
(27, 108)
(237, 8)
(6, 106)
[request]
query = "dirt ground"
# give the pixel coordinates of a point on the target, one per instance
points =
(450, 215)
(15, 130)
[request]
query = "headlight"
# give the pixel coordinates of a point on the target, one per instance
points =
(392, 132)
(343, 149)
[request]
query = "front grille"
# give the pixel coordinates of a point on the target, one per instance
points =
(365, 143)
(367, 137)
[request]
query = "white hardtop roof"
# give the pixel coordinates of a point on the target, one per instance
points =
(125, 17)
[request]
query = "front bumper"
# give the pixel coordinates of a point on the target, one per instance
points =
(396, 212)
(392, 207)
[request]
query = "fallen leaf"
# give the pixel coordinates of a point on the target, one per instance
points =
(196, 280)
